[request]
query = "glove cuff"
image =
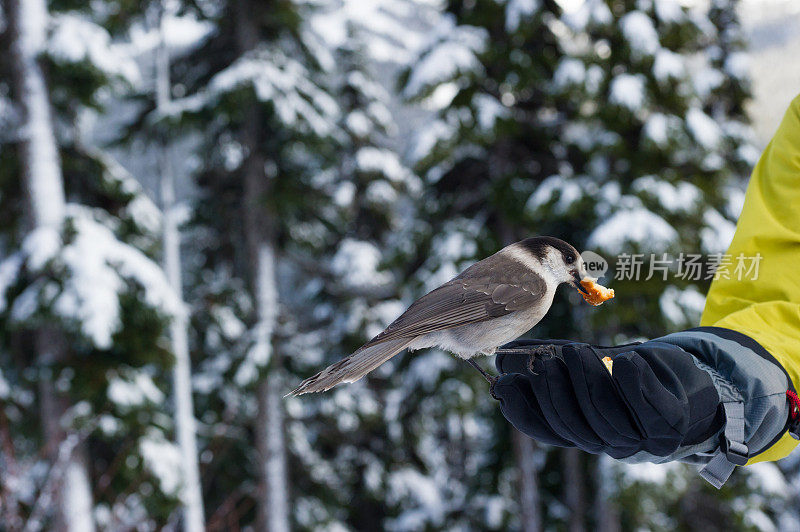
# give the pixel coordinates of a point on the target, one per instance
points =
(752, 386)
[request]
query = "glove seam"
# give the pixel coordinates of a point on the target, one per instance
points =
(670, 425)
(600, 411)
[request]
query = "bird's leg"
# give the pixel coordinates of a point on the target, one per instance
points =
(489, 378)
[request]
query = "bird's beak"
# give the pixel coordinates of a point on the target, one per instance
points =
(576, 282)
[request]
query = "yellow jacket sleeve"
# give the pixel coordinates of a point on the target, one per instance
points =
(765, 305)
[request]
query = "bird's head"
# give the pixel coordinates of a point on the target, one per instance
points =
(559, 259)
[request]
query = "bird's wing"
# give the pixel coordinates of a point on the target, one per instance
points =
(462, 301)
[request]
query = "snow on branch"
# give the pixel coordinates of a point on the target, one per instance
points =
(453, 50)
(75, 39)
(276, 78)
(97, 268)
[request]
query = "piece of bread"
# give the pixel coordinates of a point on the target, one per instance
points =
(595, 294)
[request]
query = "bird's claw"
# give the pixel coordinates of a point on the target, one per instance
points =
(491, 379)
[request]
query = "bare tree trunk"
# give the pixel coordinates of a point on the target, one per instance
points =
(185, 424)
(43, 183)
(274, 512)
(273, 507)
(525, 454)
(273, 491)
(41, 169)
(273, 501)
(605, 509)
(72, 495)
(573, 489)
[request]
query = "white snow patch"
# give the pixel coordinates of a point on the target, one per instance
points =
(657, 128)
(384, 162)
(638, 29)
(344, 194)
(230, 325)
(706, 80)
(185, 31)
(427, 138)
(682, 306)
(590, 12)
(163, 459)
(568, 190)
(668, 65)
(133, 390)
(717, 234)
(429, 503)
(703, 128)
(738, 65)
(41, 246)
(277, 78)
(380, 192)
(386, 312)
(680, 197)
(382, 25)
(516, 10)
(358, 123)
(633, 225)
(647, 472)
(144, 213)
(356, 262)
(180, 33)
(489, 110)
(453, 246)
(627, 90)
(668, 11)
(75, 39)
(453, 50)
(768, 477)
(109, 425)
(759, 520)
(570, 72)
(594, 78)
(98, 268)
(734, 202)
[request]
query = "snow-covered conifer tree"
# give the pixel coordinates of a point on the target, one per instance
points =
(83, 304)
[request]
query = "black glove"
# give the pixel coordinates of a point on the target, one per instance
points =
(655, 399)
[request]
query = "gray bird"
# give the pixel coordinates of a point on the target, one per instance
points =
(489, 304)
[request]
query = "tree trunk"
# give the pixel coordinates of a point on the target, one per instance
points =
(605, 507)
(273, 504)
(72, 499)
(44, 189)
(270, 445)
(573, 489)
(41, 169)
(185, 425)
(525, 454)
(273, 507)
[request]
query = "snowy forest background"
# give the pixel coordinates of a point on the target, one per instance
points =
(203, 201)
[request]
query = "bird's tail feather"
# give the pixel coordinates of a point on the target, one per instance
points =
(352, 367)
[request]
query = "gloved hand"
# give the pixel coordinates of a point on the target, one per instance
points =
(655, 399)
(709, 395)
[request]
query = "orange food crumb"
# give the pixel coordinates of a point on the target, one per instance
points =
(609, 363)
(596, 293)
